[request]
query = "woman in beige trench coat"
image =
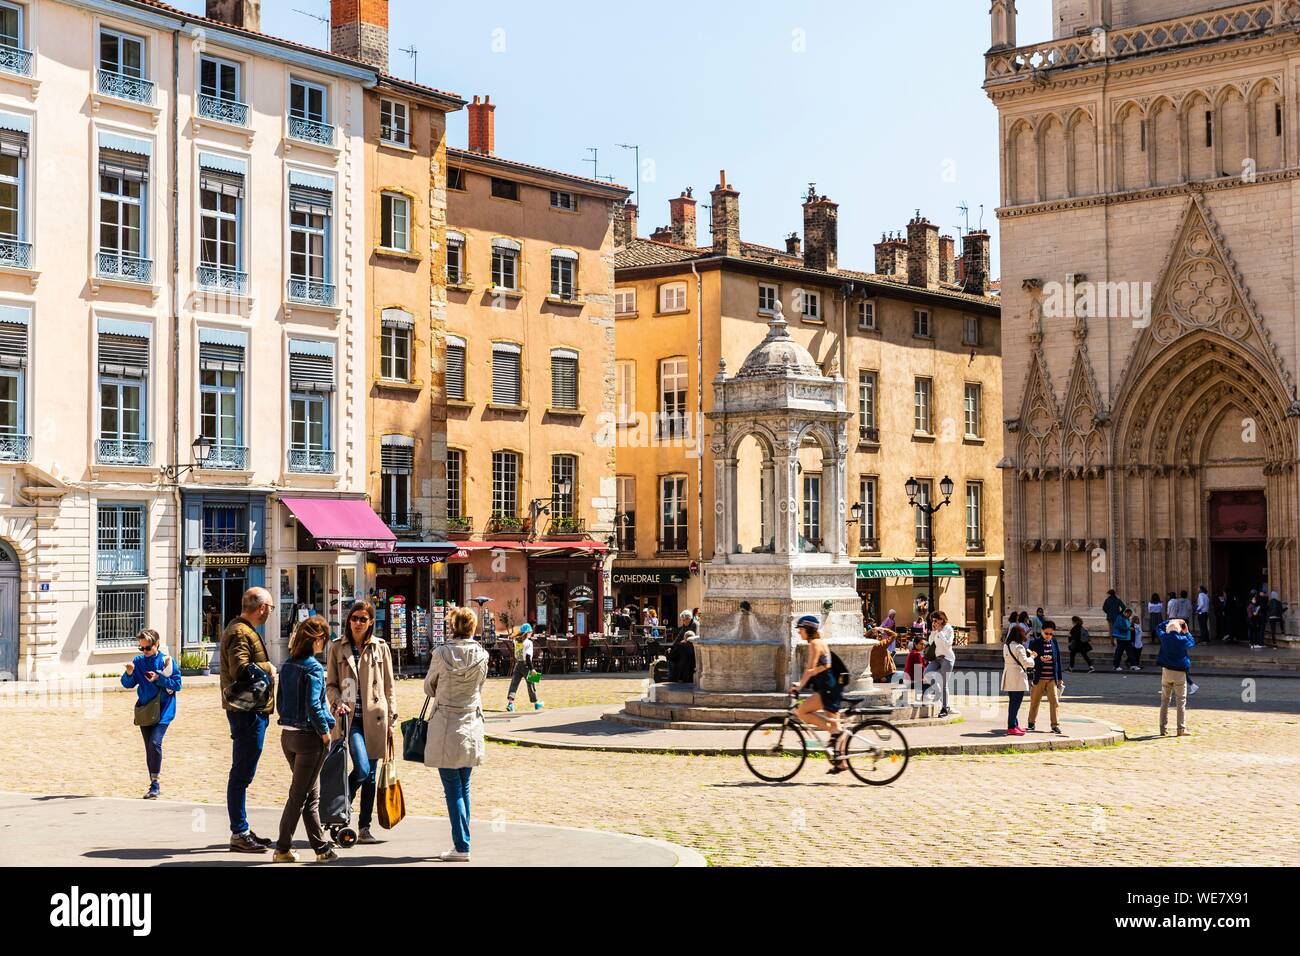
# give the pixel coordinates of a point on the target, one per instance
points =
(359, 683)
(455, 746)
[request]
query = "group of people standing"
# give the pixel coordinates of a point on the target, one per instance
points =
(1032, 664)
(351, 697)
(1259, 618)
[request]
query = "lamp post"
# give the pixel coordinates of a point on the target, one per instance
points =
(542, 506)
(201, 447)
(913, 488)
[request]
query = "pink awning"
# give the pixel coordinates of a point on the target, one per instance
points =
(347, 523)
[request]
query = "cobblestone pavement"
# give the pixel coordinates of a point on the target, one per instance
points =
(1223, 795)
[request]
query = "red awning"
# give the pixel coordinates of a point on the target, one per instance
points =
(347, 523)
(532, 546)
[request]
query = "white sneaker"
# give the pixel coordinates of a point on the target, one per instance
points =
(1135, 668)
(1192, 689)
(453, 856)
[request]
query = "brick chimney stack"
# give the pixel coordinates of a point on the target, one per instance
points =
(947, 259)
(821, 228)
(793, 244)
(682, 214)
(624, 224)
(662, 234)
(922, 253)
(976, 263)
(726, 218)
(245, 14)
(359, 29)
(482, 125)
(891, 256)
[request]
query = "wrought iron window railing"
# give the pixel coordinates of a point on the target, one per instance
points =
(123, 87)
(225, 542)
(311, 291)
(310, 131)
(15, 60)
(15, 253)
(219, 278)
(227, 458)
(402, 521)
(117, 451)
(311, 461)
(119, 616)
(15, 447)
(227, 111)
(112, 265)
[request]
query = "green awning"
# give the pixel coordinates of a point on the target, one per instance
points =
(908, 569)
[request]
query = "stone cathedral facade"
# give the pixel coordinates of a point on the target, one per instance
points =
(1151, 197)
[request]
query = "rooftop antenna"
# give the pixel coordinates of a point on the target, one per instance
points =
(964, 209)
(981, 217)
(594, 160)
(414, 54)
(317, 16)
(636, 148)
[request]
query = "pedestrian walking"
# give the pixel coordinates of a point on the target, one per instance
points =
(1202, 614)
(1155, 612)
(1121, 632)
(1275, 611)
(1175, 665)
(1135, 632)
(157, 681)
(1080, 643)
(945, 658)
(1112, 607)
(247, 695)
(457, 670)
(1017, 665)
(359, 683)
(306, 723)
(1049, 680)
(523, 651)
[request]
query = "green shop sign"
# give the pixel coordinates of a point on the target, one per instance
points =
(908, 569)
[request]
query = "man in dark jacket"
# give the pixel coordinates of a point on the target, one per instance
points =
(681, 658)
(1112, 607)
(244, 660)
(1049, 679)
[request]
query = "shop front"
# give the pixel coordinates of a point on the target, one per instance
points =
(566, 592)
(645, 588)
(903, 586)
(408, 595)
(320, 558)
(224, 547)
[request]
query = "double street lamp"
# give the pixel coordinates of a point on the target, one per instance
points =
(913, 488)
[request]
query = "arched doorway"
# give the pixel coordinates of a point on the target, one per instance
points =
(9, 569)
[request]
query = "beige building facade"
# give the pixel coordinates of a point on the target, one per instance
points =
(529, 362)
(1149, 159)
(916, 342)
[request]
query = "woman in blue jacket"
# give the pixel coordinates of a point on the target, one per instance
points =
(305, 738)
(153, 674)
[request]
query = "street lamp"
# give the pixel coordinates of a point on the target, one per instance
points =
(542, 506)
(913, 488)
(201, 447)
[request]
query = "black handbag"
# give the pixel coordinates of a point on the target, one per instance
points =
(148, 714)
(415, 734)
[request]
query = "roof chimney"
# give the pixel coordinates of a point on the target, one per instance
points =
(359, 29)
(947, 259)
(976, 263)
(821, 219)
(793, 244)
(662, 234)
(245, 14)
(726, 218)
(922, 252)
(624, 224)
(482, 125)
(682, 214)
(891, 256)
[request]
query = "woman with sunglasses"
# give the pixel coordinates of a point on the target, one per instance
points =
(359, 683)
(153, 674)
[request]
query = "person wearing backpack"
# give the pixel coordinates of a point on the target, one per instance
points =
(305, 738)
(824, 674)
(944, 659)
(156, 680)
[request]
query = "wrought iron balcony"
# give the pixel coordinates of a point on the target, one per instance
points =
(221, 279)
(111, 265)
(310, 131)
(15, 447)
(563, 527)
(225, 542)
(459, 526)
(869, 545)
(15, 60)
(226, 111)
(311, 292)
(227, 458)
(117, 451)
(504, 524)
(120, 564)
(974, 544)
(922, 543)
(123, 87)
(15, 253)
(871, 435)
(311, 461)
(402, 522)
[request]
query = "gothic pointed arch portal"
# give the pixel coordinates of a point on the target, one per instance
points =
(1204, 409)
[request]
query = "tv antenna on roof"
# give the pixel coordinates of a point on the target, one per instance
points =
(964, 209)
(636, 148)
(414, 54)
(317, 16)
(595, 164)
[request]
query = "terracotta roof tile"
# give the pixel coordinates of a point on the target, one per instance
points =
(468, 154)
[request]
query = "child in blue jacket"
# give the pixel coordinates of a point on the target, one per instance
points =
(153, 674)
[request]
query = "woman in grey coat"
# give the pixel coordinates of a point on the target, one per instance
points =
(455, 742)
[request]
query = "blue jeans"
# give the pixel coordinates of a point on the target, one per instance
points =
(247, 731)
(363, 773)
(455, 785)
(153, 741)
(1015, 697)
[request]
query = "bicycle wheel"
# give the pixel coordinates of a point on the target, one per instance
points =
(774, 749)
(876, 752)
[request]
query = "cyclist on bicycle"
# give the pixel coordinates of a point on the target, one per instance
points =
(826, 695)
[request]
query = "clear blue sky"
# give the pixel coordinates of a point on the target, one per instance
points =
(879, 103)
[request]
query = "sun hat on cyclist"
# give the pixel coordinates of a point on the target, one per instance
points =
(810, 621)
